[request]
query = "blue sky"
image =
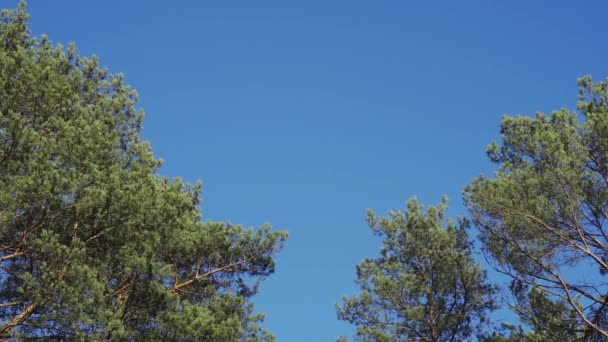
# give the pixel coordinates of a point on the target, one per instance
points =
(305, 113)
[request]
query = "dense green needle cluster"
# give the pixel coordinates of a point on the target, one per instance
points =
(94, 245)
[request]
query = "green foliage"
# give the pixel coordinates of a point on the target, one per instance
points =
(549, 320)
(93, 243)
(542, 218)
(424, 286)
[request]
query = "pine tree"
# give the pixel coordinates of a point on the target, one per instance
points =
(94, 244)
(542, 217)
(425, 286)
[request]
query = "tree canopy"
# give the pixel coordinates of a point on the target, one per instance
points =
(542, 217)
(542, 220)
(425, 286)
(94, 244)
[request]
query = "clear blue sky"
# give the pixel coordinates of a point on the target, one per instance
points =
(305, 113)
